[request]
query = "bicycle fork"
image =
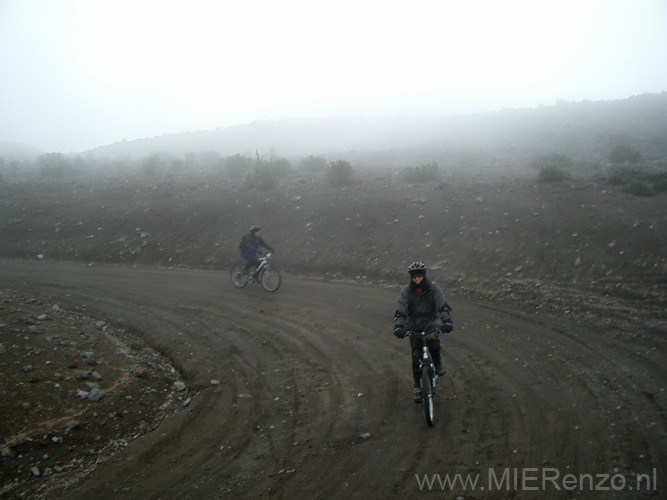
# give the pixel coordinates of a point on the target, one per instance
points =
(428, 362)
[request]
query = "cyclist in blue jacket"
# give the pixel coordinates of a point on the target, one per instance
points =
(422, 307)
(249, 247)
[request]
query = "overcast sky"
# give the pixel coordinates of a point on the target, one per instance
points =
(76, 74)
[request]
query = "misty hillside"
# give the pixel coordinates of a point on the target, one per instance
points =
(596, 227)
(583, 130)
(18, 151)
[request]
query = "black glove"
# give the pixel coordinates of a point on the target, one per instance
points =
(447, 325)
(399, 331)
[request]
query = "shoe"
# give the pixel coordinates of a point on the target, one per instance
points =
(439, 369)
(418, 396)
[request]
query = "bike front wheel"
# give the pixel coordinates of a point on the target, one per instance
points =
(429, 393)
(270, 279)
(239, 275)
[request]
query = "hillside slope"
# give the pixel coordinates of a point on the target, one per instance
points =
(493, 234)
(584, 130)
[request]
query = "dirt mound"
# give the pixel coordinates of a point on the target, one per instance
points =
(75, 390)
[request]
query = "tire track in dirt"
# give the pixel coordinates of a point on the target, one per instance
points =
(522, 390)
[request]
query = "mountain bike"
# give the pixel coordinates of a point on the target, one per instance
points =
(266, 275)
(428, 378)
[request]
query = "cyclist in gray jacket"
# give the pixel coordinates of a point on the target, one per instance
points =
(422, 306)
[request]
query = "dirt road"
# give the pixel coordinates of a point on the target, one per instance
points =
(314, 399)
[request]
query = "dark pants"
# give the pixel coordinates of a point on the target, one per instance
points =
(252, 260)
(432, 343)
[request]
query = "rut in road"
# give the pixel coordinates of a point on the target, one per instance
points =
(314, 399)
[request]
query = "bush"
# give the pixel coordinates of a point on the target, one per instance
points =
(622, 175)
(340, 173)
(55, 165)
(423, 173)
(313, 164)
(639, 189)
(660, 183)
(628, 175)
(266, 173)
(551, 173)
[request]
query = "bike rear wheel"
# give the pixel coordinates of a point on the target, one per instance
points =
(270, 279)
(429, 393)
(239, 275)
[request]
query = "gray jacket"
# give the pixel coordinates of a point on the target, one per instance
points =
(419, 311)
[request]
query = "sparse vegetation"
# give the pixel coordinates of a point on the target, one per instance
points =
(552, 167)
(266, 173)
(313, 164)
(623, 175)
(55, 165)
(151, 164)
(340, 173)
(551, 173)
(422, 173)
(660, 183)
(262, 177)
(638, 182)
(639, 189)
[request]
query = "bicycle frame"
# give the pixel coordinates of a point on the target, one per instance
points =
(428, 382)
(263, 262)
(426, 359)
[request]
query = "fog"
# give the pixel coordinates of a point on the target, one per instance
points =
(78, 74)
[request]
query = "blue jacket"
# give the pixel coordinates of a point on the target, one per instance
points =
(250, 244)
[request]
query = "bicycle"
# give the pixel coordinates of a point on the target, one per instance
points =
(266, 275)
(428, 378)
